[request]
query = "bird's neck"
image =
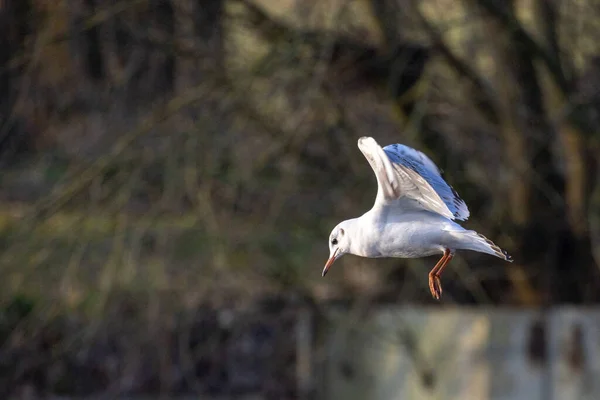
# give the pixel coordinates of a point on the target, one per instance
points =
(364, 235)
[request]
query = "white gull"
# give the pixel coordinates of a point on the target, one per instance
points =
(413, 215)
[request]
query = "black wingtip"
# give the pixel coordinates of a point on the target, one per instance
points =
(500, 253)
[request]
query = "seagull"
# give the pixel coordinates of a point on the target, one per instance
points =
(413, 215)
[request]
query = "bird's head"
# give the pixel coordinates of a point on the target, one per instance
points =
(339, 244)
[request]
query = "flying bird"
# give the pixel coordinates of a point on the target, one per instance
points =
(413, 215)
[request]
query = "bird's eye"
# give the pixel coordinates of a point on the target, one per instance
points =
(334, 241)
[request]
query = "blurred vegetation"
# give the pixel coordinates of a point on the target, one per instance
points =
(164, 156)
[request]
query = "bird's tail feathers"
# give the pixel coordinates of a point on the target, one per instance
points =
(472, 240)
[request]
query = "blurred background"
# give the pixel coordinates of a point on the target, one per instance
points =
(170, 171)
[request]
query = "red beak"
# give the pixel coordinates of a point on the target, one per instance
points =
(330, 262)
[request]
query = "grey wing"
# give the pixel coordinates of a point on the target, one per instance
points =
(406, 176)
(422, 165)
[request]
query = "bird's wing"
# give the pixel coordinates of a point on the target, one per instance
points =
(407, 177)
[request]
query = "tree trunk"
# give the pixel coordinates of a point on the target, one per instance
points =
(542, 196)
(528, 138)
(14, 30)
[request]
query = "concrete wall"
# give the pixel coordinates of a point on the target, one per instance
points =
(457, 353)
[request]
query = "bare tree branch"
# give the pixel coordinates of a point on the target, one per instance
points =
(510, 21)
(484, 92)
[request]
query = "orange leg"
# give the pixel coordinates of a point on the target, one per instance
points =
(435, 283)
